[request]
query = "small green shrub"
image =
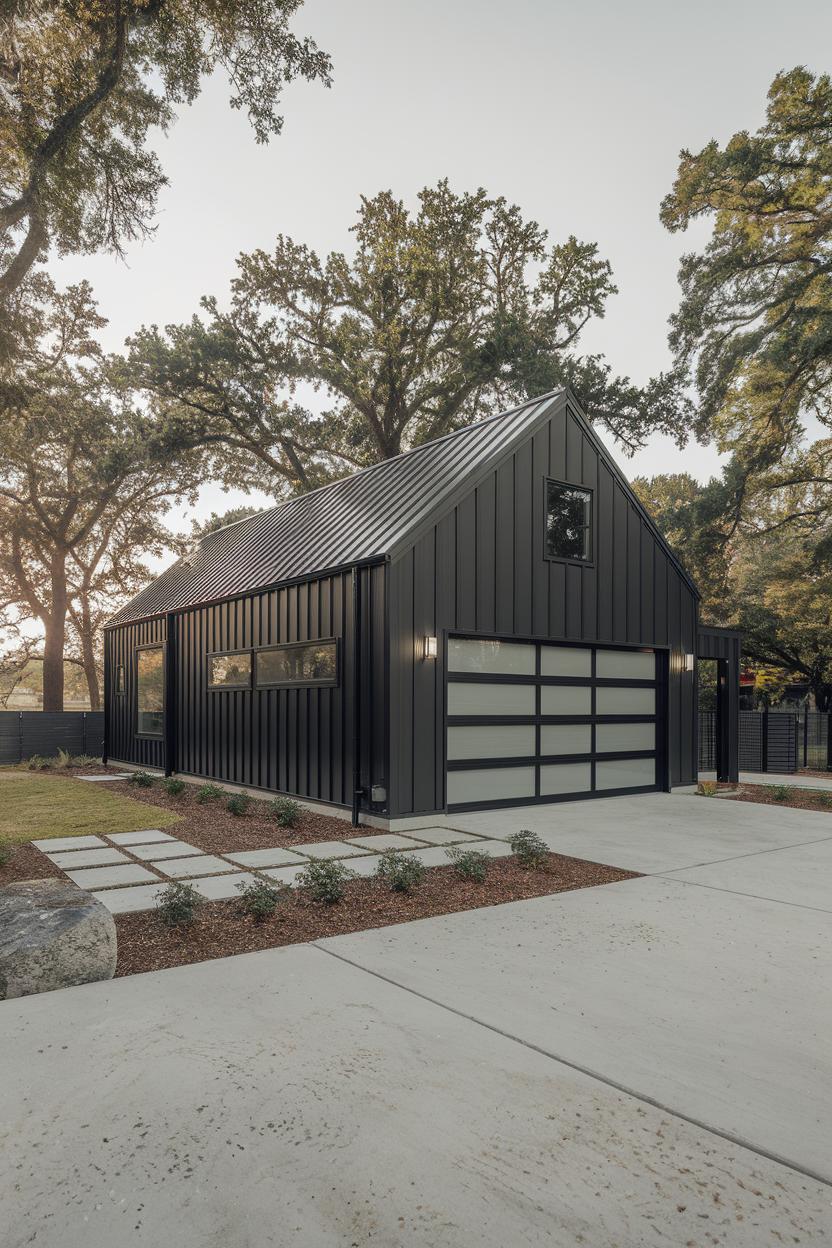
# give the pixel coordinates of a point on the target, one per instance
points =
(209, 793)
(528, 848)
(324, 880)
(259, 899)
(471, 864)
(86, 760)
(706, 788)
(779, 792)
(142, 779)
(172, 786)
(286, 811)
(238, 804)
(178, 904)
(824, 799)
(5, 854)
(64, 759)
(401, 871)
(38, 762)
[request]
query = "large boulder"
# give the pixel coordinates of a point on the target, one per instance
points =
(52, 935)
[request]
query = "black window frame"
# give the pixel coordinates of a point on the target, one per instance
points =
(328, 683)
(222, 654)
(150, 736)
(121, 680)
(590, 525)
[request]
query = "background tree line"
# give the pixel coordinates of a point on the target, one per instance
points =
(312, 366)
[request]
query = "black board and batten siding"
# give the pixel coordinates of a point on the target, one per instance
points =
(296, 741)
(481, 569)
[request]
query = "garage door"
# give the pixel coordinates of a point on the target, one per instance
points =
(539, 722)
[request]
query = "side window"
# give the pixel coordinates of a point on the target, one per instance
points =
(120, 685)
(230, 671)
(150, 691)
(298, 663)
(568, 522)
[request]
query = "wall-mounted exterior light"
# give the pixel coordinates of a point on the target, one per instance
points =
(431, 648)
(690, 662)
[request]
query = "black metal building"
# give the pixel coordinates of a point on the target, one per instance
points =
(490, 619)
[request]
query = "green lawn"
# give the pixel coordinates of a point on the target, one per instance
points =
(33, 807)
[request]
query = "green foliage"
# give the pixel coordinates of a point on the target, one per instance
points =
(286, 811)
(471, 864)
(209, 793)
(172, 786)
(324, 880)
(178, 904)
(5, 854)
(238, 804)
(528, 848)
(142, 779)
(824, 800)
(37, 762)
(259, 899)
(401, 872)
(779, 792)
(436, 318)
(86, 85)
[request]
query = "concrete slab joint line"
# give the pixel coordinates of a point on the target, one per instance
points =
(730, 1136)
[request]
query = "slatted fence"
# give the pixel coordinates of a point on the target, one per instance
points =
(24, 733)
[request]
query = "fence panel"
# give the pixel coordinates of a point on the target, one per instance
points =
(24, 733)
(813, 740)
(751, 741)
(707, 740)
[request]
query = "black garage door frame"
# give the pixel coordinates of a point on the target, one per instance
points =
(660, 719)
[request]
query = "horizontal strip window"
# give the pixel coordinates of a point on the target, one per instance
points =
(297, 663)
(229, 669)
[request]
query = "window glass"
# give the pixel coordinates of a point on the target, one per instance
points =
(501, 741)
(490, 656)
(229, 670)
(565, 778)
(490, 784)
(626, 664)
(623, 701)
(626, 774)
(565, 661)
(120, 678)
(483, 699)
(568, 521)
(565, 700)
(565, 739)
(309, 663)
(609, 737)
(150, 691)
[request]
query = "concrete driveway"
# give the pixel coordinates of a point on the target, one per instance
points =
(642, 1063)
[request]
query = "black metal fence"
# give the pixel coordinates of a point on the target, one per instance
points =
(24, 733)
(775, 741)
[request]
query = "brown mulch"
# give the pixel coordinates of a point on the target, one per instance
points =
(212, 828)
(26, 863)
(220, 929)
(799, 799)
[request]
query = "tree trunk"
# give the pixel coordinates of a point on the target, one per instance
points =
(88, 656)
(55, 628)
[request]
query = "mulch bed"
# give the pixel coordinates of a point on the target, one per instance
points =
(799, 799)
(220, 929)
(211, 827)
(26, 863)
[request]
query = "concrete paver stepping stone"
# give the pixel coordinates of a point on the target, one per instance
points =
(93, 779)
(70, 842)
(364, 867)
(442, 836)
(431, 855)
(172, 849)
(86, 858)
(277, 857)
(111, 877)
(386, 840)
(129, 900)
(219, 887)
(201, 864)
(331, 849)
(494, 849)
(146, 837)
(283, 875)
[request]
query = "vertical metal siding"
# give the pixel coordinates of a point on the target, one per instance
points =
(482, 568)
(286, 740)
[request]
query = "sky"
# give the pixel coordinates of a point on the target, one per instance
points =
(574, 111)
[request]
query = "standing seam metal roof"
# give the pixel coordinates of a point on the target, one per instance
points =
(357, 519)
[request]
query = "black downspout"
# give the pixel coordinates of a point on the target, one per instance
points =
(357, 791)
(170, 694)
(105, 752)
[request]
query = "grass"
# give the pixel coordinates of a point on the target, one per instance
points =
(34, 807)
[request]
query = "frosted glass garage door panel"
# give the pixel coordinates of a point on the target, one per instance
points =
(625, 665)
(565, 700)
(625, 773)
(565, 778)
(565, 661)
(501, 741)
(483, 699)
(490, 784)
(565, 739)
(612, 701)
(609, 737)
(504, 657)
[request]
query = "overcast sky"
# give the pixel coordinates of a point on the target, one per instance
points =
(575, 111)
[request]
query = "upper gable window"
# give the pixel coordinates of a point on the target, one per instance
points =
(568, 522)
